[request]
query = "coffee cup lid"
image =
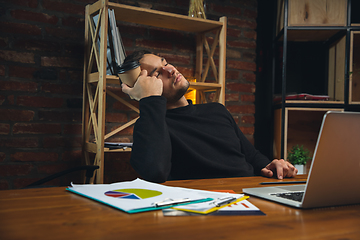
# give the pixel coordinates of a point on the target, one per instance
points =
(127, 66)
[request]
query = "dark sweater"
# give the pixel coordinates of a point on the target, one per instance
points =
(195, 141)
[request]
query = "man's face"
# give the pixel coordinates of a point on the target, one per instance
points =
(174, 83)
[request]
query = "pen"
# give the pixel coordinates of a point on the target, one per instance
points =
(224, 201)
(288, 182)
(172, 202)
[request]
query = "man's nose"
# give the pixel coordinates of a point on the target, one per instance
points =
(169, 70)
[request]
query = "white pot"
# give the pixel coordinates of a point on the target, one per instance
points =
(301, 169)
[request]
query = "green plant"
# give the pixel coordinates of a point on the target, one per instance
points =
(298, 155)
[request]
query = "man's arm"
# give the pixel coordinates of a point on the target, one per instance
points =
(261, 163)
(279, 167)
(151, 152)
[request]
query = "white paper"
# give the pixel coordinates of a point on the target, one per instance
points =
(130, 201)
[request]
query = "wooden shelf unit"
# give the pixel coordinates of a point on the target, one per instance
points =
(95, 83)
(302, 23)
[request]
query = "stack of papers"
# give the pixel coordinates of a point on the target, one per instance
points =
(139, 195)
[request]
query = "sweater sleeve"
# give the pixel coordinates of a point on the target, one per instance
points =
(151, 152)
(252, 155)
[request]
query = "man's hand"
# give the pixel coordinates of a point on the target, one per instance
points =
(281, 168)
(145, 86)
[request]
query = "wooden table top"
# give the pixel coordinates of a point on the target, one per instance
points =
(54, 213)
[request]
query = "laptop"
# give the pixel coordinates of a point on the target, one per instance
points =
(334, 177)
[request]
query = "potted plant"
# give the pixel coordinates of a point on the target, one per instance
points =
(299, 156)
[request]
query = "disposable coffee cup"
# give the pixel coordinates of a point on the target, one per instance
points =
(129, 72)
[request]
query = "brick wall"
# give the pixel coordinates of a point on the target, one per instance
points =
(41, 58)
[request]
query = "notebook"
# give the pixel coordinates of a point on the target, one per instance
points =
(334, 177)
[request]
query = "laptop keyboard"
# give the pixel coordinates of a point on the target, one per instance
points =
(296, 196)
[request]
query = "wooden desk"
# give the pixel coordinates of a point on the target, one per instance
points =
(53, 213)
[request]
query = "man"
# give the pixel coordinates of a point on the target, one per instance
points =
(174, 139)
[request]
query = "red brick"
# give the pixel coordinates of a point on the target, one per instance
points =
(248, 98)
(248, 130)
(23, 182)
(11, 100)
(19, 142)
(250, 14)
(20, 28)
(2, 157)
(16, 115)
(132, 29)
(230, 74)
(241, 87)
(57, 116)
(72, 156)
(175, 59)
(74, 49)
(2, 70)
(61, 62)
(241, 109)
(2, 100)
(73, 22)
(38, 45)
(4, 129)
(26, 3)
(64, 33)
(251, 66)
(56, 142)
(231, 53)
(52, 169)
(242, 44)
(41, 102)
(73, 89)
(250, 77)
(13, 56)
(36, 128)
(76, 76)
(186, 71)
(15, 169)
(115, 117)
(248, 119)
(33, 16)
(231, 32)
(22, 72)
(59, 6)
(34, 157)
(4, 185)
(128, 43)
(242, 23)
(227, 10)
(233, 97)
(4, 42)
(72, 128)
(152, 44)
(18, 86)
(169, 35)
(250, 34)
(249, 56)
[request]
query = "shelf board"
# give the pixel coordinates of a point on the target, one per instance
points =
(311, 104)
(311, 33)
(204, 86)
(161, 19)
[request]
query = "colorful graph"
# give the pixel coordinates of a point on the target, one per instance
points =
(133, 193)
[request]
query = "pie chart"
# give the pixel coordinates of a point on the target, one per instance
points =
(133, 193)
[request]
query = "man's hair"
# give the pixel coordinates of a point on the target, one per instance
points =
(136, 56)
